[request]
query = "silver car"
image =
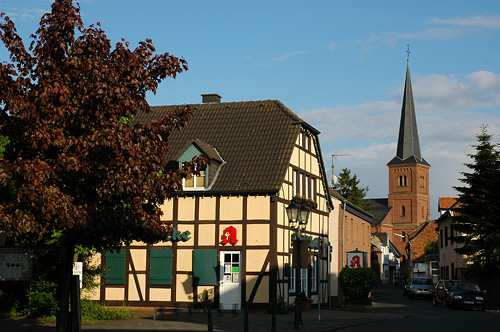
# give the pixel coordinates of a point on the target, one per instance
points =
(421, 286)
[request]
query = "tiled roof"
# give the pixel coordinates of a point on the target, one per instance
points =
(352, 208)
(419, 229)
(445, 203)
(254, 138)
(380, 209)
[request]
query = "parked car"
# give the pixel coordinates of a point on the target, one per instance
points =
(406, 287)
(466, 295)
(421, 286)
(399, 280)
(441, 292)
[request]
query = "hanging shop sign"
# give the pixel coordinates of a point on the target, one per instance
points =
(357, 258)
(229, 236)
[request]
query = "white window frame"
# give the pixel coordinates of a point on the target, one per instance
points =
(291, 280)
(303, 279)
(194, 177)
(314, 274)
(301, 184)
(294, 183)
(308, 188)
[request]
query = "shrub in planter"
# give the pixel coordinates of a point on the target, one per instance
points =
(356, 284)
(282, 307)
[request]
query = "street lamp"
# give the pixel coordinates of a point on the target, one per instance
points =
(408, 248)
(297, 217)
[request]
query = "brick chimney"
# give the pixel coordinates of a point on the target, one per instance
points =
(210, 98)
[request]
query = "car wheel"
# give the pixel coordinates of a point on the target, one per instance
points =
(434, 301)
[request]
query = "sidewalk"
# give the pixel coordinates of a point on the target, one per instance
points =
(331, 320)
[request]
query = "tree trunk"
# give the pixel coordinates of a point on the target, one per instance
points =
(63, 318)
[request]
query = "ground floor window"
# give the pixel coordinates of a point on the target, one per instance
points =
(314, 274)
(303, 279)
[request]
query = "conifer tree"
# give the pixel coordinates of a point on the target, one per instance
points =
(349, 187)
(478, 214)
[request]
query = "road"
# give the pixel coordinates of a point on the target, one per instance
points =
(421, 315)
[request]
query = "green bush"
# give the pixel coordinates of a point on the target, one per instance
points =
(13, 299)
(41, 299)
(9, 305)
(92, 311)
(356, 284)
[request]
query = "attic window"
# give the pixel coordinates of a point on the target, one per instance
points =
(196, 181)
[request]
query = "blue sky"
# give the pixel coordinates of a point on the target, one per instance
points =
(340, 65)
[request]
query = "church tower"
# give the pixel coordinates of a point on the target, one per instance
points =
(408, 171)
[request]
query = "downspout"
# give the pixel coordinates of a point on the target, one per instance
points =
(343, 220)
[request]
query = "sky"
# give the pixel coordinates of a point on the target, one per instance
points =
(339, 65)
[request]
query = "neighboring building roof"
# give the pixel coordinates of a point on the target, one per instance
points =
(445, 203)
(394, 250)
(419, 229)
(408, 151)
(351, 208)
(255, 139)
(380, 209)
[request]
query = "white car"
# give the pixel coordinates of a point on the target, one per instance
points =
(421, 286)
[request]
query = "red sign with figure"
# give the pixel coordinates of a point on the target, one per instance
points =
(229, 236)
(357, 259)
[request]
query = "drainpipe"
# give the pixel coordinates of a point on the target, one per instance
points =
(343, 220)
(343, 253)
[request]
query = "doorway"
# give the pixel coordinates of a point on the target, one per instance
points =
(230, 283)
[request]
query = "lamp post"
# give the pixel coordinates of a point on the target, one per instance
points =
(297, 217)
(408, 248)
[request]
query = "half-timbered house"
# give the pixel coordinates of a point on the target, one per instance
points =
(231, 241)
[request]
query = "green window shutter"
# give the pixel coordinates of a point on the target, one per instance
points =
(160, 266)
(205, 267)
(115, 267)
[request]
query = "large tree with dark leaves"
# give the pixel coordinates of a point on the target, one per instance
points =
(478, 212)
(74, 166)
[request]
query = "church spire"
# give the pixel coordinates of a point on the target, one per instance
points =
(408, 150)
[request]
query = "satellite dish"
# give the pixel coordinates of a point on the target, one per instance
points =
(333, 179)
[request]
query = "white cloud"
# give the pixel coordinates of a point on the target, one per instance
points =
(289, 54)
(478, 90)
(492, 21)
(26, 13)
(450, 111)
(460, 27)
(332, 46)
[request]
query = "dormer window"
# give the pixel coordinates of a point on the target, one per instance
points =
(196, 181)
(205, 179)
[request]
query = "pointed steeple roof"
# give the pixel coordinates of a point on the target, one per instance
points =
(408, 151)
